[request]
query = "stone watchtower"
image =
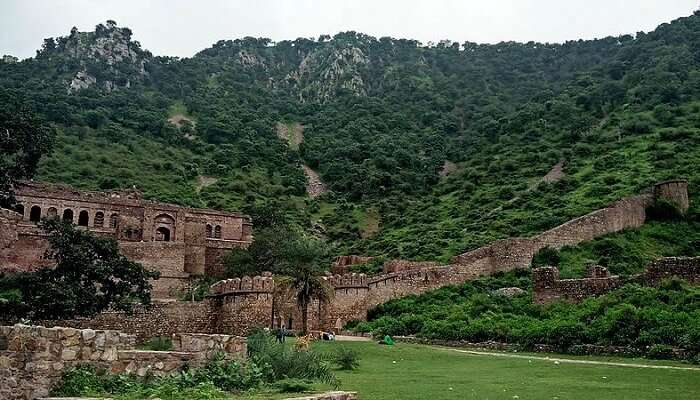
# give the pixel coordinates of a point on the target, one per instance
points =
(674, 191)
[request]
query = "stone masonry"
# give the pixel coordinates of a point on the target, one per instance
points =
(179, 242)
(236, 306)
(548, 287)
(33, 358)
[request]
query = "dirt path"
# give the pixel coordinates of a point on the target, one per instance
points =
(567, 360)
(342, 338)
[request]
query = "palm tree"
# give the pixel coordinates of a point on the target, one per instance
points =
(303, 278)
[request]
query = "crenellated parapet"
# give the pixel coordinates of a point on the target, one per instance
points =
(247, 284)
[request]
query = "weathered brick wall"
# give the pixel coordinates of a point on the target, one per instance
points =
(675, 191)
(341, 264)
(406, 265)
(548, 287)
(188, 250)
(504, 255)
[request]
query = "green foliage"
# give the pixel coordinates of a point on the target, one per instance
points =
(618, 120)
(216, 380)
(284, 362)
(546, 257)
(90, 276)
(629, 251)
(346, 358)
(24, 139)
(630, 316)
(293, 385)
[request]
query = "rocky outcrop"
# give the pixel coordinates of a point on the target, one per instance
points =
(321, 74)
(106, 57)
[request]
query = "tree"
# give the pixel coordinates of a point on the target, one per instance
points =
(90, 276)
(302, 277)
(24, 138)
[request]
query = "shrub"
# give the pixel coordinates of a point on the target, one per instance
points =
(660, 351)
(546, 257)
(285, 362)
(293, 386)
(346, 358)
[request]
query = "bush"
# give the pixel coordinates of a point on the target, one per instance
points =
(285, 362)
(546, 257)
(346, 358)
(293, 386)
(660, 352)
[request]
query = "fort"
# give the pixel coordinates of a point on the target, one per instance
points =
(235, 306)
(179, 242)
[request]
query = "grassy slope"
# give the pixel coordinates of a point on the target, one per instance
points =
(605, 166)
(427, 373)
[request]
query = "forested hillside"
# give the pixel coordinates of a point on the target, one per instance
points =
(427, 151)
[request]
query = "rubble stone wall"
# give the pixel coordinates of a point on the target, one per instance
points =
(33, 358)
(548, 287)
(161, 319)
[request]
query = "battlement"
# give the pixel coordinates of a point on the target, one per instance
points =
(247, 284)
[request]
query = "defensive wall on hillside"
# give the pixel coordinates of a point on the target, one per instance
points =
(548, 287)
(179, 242)
(235, 306)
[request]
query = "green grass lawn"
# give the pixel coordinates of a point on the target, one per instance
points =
(418, 372)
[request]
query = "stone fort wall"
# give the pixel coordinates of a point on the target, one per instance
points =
(548, 287)
(237, 305)
(176, 241)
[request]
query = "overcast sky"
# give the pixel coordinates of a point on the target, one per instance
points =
(182, 28)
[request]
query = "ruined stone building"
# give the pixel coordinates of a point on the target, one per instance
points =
(179, 242)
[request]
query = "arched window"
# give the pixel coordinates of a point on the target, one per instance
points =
(209, 231)
(52, 213)
(68, 215)
(113, 220)
(162, 234)
(217, 232)
(164, 228)
(35, 214)
(20, 209)
(83, 218)
(99, 220)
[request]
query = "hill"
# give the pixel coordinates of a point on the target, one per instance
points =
(533, 134)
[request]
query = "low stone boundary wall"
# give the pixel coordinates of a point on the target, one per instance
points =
(324, 396)
(548, 287)
(33, 358)
(232, 346)
(329, 396)
(579, 349)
